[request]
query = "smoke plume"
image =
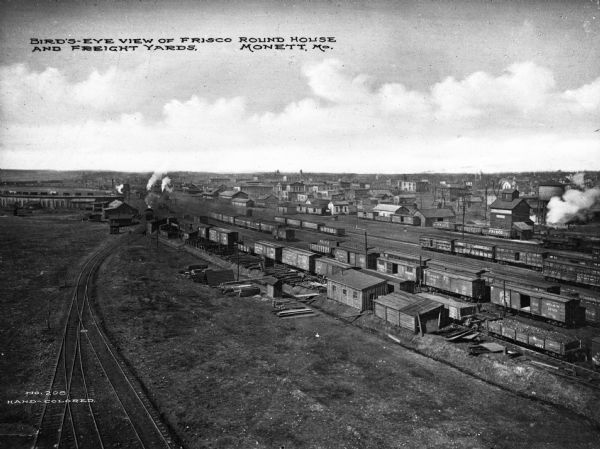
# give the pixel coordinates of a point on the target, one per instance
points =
(119, 188)
(574, 204)
(166, 184)
(154, 178)
(578, 179)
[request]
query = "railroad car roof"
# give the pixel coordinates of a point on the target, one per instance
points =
(267, 243)
(219, 229)
(539, 294)
(458, 271)
(299, 251)
(445, 300)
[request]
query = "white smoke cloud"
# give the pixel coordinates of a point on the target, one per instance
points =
(574, 204)
(166, 184)
(154, 178)
(578, 179)
(119, 188)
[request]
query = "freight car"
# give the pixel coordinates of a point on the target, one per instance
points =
(552, 307)
(324, 246)
(326, 267)
(326, 229)
(405, 267)
(223, 236)
(574, 269)
(437, 243)
(536, 337)
(356, 256)
(269, 250)
(463, 283)
(531, 256)
(299, 258)
(474, 249)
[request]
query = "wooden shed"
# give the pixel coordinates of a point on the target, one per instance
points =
(356, 289)
(455, 310)
(410, 312)
(274, 287)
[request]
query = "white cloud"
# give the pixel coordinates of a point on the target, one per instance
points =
(349, 123)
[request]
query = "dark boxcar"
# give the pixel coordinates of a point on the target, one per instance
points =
(527, 256)
(283, 233)
(592, 311)
(435, 243)
(471, 248)
(584, 273)
(459, 283)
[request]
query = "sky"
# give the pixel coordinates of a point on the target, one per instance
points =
(389, 87)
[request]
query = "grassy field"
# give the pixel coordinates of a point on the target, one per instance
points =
(40, 256)
(225, 372)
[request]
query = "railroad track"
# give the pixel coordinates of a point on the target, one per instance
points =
(94, 402)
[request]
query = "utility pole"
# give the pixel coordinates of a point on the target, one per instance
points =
(463, 215)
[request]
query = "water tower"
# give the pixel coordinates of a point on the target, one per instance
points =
(547, 191)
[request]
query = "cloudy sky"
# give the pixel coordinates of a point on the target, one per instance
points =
(407, 86)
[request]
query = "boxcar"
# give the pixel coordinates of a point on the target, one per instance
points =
(469, 229)
(268, 226)
(299, 258)
(228, 219)
(467, 285)
(514, 254)
(435, 243)
(312, 225)
(203, 231)
(564, 310)
(470, 248)
(542, 339)
(332, 230)
(216, 216)
(294, 222)
(280, 220)
(283, 233)
(445, 225)
(592, 311)
(269, 250)
(583, 273)
(404, 267)
(327, 267)
(223, 236)
(498, 232)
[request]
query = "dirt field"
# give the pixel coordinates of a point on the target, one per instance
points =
(39, 256)
(226, 372)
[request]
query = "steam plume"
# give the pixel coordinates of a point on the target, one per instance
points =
(166, 184)
(119, 188)
(154, 178)
(575, 204)
(578, 179)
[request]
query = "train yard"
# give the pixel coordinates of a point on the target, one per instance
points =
(499, 275)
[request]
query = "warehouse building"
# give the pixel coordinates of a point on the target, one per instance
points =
(355, 289)
(429, 216)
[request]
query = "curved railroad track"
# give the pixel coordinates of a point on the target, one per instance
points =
(93, 401)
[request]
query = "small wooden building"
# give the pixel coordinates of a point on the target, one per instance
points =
(410, 312)
(274, 287)
(355, 289)
(455, 310)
